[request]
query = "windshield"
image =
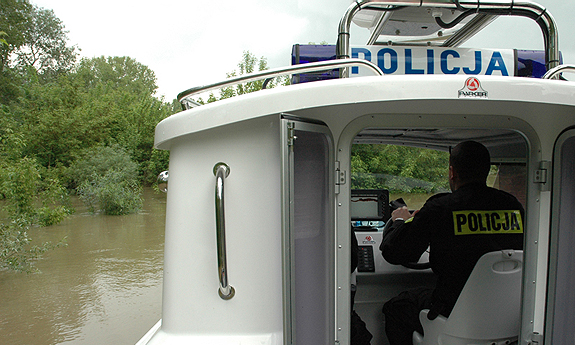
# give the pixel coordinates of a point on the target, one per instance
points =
(415, 174)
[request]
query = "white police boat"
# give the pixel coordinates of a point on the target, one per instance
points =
(274, 268)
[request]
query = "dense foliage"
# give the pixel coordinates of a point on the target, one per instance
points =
(400, 169)
(56, 114)
(107, 180)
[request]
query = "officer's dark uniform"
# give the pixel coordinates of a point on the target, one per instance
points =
(458, 228)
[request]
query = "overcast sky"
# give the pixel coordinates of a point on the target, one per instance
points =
(192, 43)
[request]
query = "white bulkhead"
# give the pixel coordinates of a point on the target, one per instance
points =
(192, 307)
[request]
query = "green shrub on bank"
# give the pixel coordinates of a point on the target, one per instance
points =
(16, 249)
(107, 181)
(111, 194)
(31, 198)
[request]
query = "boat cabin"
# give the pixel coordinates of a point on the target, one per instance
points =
(267, 190)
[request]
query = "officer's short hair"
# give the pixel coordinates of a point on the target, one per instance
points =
(471, 161)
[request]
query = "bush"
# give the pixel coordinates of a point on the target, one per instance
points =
(111, 194)
(24, 185)
(157, 163)
(107, 181)
(16, 250)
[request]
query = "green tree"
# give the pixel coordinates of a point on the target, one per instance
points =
(121, 93)
(105, 101)
(31, 197)
(118, 72)
(17, 251)
(399, 169)
(2, 40)
(53, 110)
(107, 180)
(13, 23)
(34, 47)
(52, 123)
(44, 48)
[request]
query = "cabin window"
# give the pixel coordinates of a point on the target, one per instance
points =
(414, 174)
(411, 173)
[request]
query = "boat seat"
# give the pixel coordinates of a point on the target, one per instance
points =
(488, 308)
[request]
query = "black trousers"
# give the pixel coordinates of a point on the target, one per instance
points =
(402, 315)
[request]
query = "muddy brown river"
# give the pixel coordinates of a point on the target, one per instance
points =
(104, 287)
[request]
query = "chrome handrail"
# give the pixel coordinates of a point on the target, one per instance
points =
(523, 8)
(276, 72)
(556, 70)
(226, 291)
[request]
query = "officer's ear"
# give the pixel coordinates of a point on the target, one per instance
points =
(452, 173)
(453, 178)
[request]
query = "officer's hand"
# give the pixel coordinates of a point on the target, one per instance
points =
(401, 213)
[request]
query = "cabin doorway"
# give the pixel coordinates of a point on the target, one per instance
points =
(308, 236)
(412, 164)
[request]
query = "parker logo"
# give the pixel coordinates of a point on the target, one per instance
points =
(368, 240)
(472, 89)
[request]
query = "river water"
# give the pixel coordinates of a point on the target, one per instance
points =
(104, 287)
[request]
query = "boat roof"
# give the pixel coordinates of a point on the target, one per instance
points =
(445, 23)
(354, 97)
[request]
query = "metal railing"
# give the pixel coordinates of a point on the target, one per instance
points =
(556, 70)
(226, 291)
(276, 72)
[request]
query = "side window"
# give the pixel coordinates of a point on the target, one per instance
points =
(312, 243)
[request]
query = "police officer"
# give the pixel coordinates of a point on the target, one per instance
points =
(458, 228)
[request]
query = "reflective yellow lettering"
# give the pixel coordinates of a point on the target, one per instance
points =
(472, 220)
(495, 221)
(460, 220)
(514, 222)
(506, 224)
(480, 220)
(487, 222)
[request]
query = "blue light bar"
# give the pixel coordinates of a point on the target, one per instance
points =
(531, 63)
(526, 63)
(313, 53)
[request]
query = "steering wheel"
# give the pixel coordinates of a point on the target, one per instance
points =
(411, 265)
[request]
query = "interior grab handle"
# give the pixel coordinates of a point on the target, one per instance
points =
(226, 291)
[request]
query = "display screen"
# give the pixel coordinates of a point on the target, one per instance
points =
(370, 204)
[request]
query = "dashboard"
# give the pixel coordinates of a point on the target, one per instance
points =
(369, 235)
